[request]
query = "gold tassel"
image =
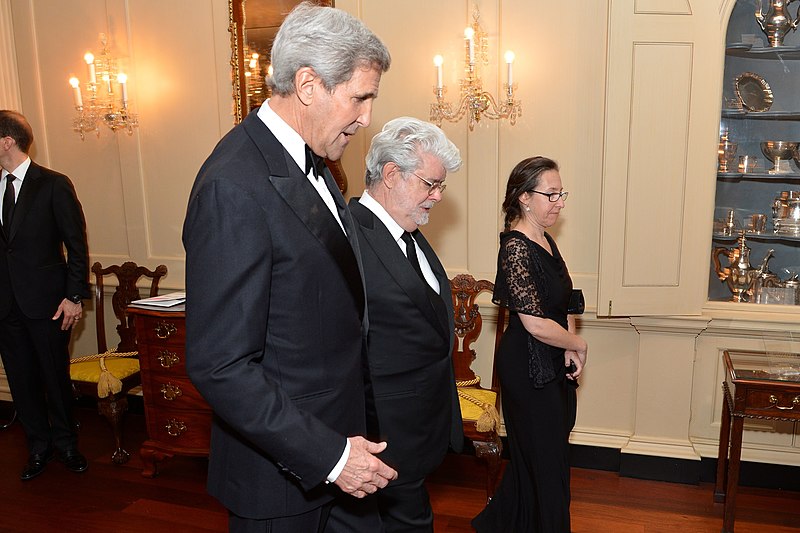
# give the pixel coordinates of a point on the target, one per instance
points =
(107, 383)
(489, 419)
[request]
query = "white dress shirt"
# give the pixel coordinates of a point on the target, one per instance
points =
(296, 147)
(19, 174)
(394, 228)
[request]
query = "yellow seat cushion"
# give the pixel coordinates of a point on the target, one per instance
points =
(469, 410)
(120, 367)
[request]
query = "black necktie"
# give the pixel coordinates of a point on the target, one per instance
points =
(314, 163)
(411, 253)
(9, 201)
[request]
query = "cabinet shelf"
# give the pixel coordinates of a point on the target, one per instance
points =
(758, 237)
(773, 53)
(735, 176)
(760, 115)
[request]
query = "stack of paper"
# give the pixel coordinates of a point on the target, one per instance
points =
(163, 300)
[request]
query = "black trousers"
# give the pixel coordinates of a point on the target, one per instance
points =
(345, 514)
(406, 508)
(35, 355)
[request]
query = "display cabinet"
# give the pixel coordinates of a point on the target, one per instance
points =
(756, 242)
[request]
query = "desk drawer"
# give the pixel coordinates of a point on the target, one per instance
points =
(773, 403)
(161, 330)
(163, 359)
(169, 392)
(180, 429)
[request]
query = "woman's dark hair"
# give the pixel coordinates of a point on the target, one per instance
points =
(524, 178)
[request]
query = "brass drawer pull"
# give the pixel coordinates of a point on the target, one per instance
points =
(168, 359)
(175, 427)
(774, 401)
(171, 392)
(164, 330)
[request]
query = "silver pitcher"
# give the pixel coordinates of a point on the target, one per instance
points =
(739, 276)
(764, 278)
(777, 21)
(786, 213)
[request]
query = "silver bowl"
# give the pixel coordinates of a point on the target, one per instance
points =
(778, 151)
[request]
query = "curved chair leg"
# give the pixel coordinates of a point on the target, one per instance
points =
(113, 408)
(6, 425)
(491, 452)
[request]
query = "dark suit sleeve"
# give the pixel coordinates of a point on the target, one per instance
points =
(72, 230)
(229, 268)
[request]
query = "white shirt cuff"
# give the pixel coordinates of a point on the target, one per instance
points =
(334, 475)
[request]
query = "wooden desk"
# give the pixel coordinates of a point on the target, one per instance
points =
(178, 419)
(757, 385)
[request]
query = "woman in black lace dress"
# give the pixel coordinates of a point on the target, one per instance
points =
(539, 358)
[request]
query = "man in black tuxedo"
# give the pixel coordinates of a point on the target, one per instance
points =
(41, 295)
(275, 310)
(411, 314)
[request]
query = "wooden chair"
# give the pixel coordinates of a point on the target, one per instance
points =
(111, 374)
(479, 405)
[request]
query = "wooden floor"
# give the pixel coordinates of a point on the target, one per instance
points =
(116, 499)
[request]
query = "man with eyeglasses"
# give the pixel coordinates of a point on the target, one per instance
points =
(410, 312)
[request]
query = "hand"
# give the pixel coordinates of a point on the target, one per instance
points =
(363, 472)
(578, 358)
(71, 311)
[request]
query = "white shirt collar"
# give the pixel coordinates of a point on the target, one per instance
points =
(378, 210)
(18, 172)
(286, 135)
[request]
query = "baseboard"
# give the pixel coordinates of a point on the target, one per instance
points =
(751, 474)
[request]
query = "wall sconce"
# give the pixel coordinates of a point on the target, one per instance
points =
(102, 105)
(474, 101)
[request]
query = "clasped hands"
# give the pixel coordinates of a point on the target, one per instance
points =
(364, 473)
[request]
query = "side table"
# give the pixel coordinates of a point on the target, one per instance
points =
(178, 419)
(757, 385)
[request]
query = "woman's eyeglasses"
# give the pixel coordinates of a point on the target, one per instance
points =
(552, 196)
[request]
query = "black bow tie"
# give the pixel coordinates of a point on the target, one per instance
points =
(314, 163)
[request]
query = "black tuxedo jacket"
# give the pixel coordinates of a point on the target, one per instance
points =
(47, 219)
(409, 350)
(274, 333)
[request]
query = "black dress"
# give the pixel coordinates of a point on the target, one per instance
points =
(538, 401)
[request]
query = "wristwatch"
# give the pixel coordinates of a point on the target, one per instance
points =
(76, 299)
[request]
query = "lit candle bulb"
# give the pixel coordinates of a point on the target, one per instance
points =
(437, 62)
(107, 80)
(89, 58)
(76, 91)
(122, 78)
(269, 71)
(509, 61)
(469, 35)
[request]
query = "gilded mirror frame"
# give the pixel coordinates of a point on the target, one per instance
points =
(237, 16)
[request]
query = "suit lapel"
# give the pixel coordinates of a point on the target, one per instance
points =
(378, 238)
(444, 311)
(30, 188)
(305, 202)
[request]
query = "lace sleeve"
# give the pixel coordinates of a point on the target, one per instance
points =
(515, 286)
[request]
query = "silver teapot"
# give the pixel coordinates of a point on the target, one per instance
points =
(777, 21)
(739, 275)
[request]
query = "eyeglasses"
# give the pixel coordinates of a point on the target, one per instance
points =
(552, 196)
(433, 186)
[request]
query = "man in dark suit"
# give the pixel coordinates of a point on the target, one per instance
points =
(411, 314)
(41, 295)
(275, 310)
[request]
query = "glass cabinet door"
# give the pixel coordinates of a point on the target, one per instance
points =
(756, 242)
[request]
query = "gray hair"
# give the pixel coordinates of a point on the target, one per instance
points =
(402, 141)
(330, 41)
